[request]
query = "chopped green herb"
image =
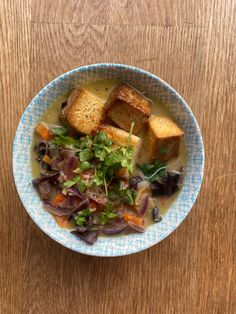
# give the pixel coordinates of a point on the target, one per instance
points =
(105, 216)
(82, 216)
(154, 171)
(85, 165)
(58, 130)
(77, 180)
(63, 140)
(86, 154)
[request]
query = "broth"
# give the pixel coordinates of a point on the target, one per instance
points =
(102, 89)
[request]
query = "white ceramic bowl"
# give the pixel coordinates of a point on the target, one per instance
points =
(123, 244)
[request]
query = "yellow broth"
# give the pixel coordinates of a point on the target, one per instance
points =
(102, 89)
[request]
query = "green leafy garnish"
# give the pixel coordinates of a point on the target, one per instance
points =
(82, 216)
(85, 165)
(154, 171)
(58, 130)
(63, 140)
(106, 215)
(86, 154)
(77, 180)
(127, 195)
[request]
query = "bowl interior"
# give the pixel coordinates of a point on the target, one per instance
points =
(144, 81)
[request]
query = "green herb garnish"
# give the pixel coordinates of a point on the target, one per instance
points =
(82, 216)
(64, 140)
(154, 171)
(58, 130)
(77, 180)
(107, 215)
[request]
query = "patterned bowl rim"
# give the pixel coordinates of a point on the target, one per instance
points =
(163, 84)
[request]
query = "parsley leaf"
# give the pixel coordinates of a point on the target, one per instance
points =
(81, 217)
(63, 140)
(107, 215)
(86, 154)
(77, 180)
(58, 130)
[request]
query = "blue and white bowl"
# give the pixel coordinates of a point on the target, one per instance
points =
(123, 244)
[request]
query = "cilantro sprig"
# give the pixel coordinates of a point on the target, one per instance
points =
(77, 180)
(81, 217)
(107, 214)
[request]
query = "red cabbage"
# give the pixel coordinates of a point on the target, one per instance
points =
(167, 186)
(114, 228)
(45, 189)
(89, 237)
(143, 207)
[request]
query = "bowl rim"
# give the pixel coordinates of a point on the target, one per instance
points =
(138, 71)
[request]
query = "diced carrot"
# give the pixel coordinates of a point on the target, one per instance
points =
(134, 219)
(63, 222)
(58, 199)
(47, 159)
(43, 131)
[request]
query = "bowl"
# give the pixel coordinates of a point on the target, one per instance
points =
(140, 79)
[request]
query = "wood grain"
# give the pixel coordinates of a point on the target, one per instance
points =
(190, 44)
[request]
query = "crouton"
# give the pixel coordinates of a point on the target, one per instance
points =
(121, 137)
(126, 105)
(83, 112)
(164, 138)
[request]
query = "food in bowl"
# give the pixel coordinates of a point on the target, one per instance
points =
(107, 160)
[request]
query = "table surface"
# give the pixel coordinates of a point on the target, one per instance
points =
(191, 45)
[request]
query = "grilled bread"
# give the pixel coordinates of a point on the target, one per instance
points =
(84, 112)
(126, 105)
(164, 138)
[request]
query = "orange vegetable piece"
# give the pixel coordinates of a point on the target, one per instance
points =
(47, 159)
(58, 199)
(43, 131)
(134, 219)
(63, 222)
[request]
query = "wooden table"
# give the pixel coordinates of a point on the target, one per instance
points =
(190, 44)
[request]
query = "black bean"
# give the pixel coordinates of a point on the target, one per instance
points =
(156, 215)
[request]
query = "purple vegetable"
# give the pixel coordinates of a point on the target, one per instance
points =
(84, 204)
(45, 189)
(51, 177)
(70, 202)
(88, 236)
(167, 186)
(80, 229)
(98, 197)
(134, 181)
(64, 211)
(75, 192)
(68, 164)
(56, 211)
(143, 207)
(115, 228)
(137, 228)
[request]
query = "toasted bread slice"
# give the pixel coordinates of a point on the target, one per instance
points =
(126, 105)
(121, 137)
(83, 112)
(164, 138)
